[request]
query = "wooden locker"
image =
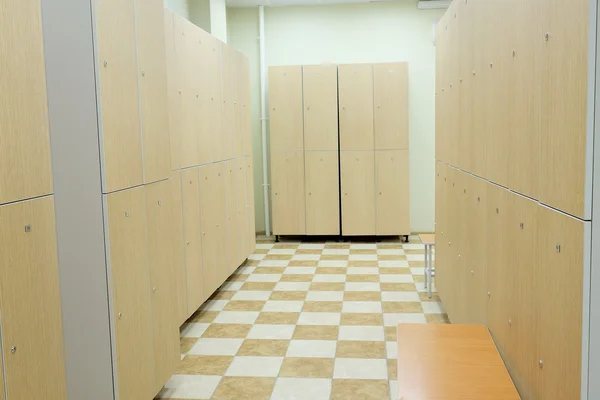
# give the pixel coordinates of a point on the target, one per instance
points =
(392, 202)
(481, 59)
(119, 96)
(152, 76)
(358, 192)
(320, 107)
(564, 105)
(194, 242)
(173, 85)
(235, 235)
(212, 83)
(227, 72)
(190, 61)
(322, 180)
(464, 82)
(208, 114)
(250, 215)
(247, 120)
(559, 286)
(25, 169)
(163, 246)
(477, 250)
(285, 108)
(522, 358)
(460, 247)
(30, 302)
(179, 259)
(356, 106)
(288, 193)
(243, 242)
(132, 310)
(447, 264)
(238, 106)
(390, 94)
(441, 206)
(214, 229)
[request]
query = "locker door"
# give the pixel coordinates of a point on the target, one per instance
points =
(179, 255)
(163, 247)
(559, 278)
(173, 85)
(441, 204)
(477, 249)
(242, 208)
(235, 235)
(246, 121)
(206, 74)
(228, 71)
(358, 192)
(390, 83)
(356, 106)
(320, 107)
(132, 313)
(214, 229)
(322, 193)
(30, 301)
(214, 96)
(122, 155)
(24, 130)
(564, 104)
(194, 242)
(152, 75)
(285, 108)
(238, 106)
(251, 223)
(447, 264)
(287, 182)
(391, 177)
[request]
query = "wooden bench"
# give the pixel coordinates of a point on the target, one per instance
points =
(450, 362)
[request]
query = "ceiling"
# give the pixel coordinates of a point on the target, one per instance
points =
(284, 3)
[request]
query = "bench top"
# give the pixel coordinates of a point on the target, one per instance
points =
(450, 362)
(427, 238)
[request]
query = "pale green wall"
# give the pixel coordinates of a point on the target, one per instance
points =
(200, 13)
(357, 33)
(180, 7)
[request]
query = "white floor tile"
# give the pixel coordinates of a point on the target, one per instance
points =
(232, 285)
(329, 278)
(216, 347)
(332, 263)
(274, 263)
(283, 306)
(432, 307)
(190, 387)
(360, 368)
(363, 271)
(264, 245)
(363, 246)
(317, 295)
(395, 252)
(266, 331)
(311, 246)
(391, 348)
(418, 271)
(393, 319)
(193, 329)
(255, 366)
(393, 390)
(300, 270)
(413, 246)
(396, 278)
(245, 270)
(214, 305)
(362, 287)
(264, 278)
(282, 251)
(312, 348)
(293, 286)
(368, 333)
(337, 252)
(363, 257)
(319, 318)
(306, 257)
(251, 295)
(256, 256)
(400, 296)
(236, 317)
(416, 257)
(361, 307)
(393, 263)
(302, 389)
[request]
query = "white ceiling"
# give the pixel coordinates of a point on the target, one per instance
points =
(284, 3)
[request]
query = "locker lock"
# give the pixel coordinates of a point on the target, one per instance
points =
(160, 202)
(154, 289)
(472, 272)
(27, 228)
(120, 315)
(541, 363)
(127, 214)
(473, 72)
(489, 294)
(105, 63)
(497, 211)
(558, 248)
(13, 349)
(309, 193)
(547, 36)
(478, 198)
(510, 322)
(514, 53)
(491, 65)
(144, 74)
(522, 225)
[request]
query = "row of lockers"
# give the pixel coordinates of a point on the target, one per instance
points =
(507, 261)
(512, 98)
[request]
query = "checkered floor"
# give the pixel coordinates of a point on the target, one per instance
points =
(306, 320)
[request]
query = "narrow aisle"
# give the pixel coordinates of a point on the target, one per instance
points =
(305, 320)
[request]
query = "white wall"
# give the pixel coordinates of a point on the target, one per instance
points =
(357, 33)
(180, 7)
(218, 19)
(200, 13)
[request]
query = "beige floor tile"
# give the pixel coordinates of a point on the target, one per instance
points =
(328, 286)
(303, 263)
(185, 344)
(419, 278)
(331, 270)
(334, 257)
(261, 251)
(337, 246)
(307, 367)
(269, 270)
(286, 318)
(316, 332)
(358, 263)
(251, 263)
(402, 307)
(390, 333)
(244, 305)
(296, 278)
(360, 349)
(398, 287)
(203, 316)
(389, 245)
(309, 251)
(362, 278)
(204, 365)
(278, 257)
(288, 295)
(362, 296)
(422, 251)
(227, 331)
(259, 286)
(237, 278)
(394, 271)
(392, 369)
(434, 297)
(322, 306)
(437, 319)
(263, 347)
(416, 264)
(222, 295)
(363, 251)
(285, 246)
(238, 388)
(369, 319)
(359, 389)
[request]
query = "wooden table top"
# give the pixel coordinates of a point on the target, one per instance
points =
(450, 362)
(427, 238)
